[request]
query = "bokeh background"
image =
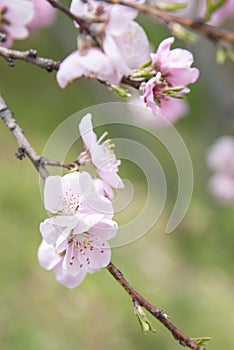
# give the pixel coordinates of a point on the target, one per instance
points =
(188, 273)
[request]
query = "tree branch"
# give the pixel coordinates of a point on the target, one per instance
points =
(156, 312)
(29, 56)
(167, 18)
(24, 147)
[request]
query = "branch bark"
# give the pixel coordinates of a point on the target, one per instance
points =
(24, 146)
(25, 149)
(29, 56)
(159, 314)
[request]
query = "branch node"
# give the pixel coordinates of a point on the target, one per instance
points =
(20, 154)
(3, 37)
(10, 62)
(32, 53)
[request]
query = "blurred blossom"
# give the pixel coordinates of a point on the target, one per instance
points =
(75, 237)
(44, 14)
(15, 15)
(220, 159)
(110, 52)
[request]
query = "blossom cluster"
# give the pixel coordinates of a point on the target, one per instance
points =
(75, 236)
(221, 161)
(17, 17)
(110, 53)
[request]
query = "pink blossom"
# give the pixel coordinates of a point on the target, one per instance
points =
(44, 14)
(221, 186)
(101, 154)
(220, 156)
(160, 103)
(92, 63)
(163, 93)
(174, 65)
(220, 159)
(119, 38)
(14, 18)
(75, 237)
(123, 38)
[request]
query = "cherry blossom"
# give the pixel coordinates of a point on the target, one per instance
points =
(44, 14)
(92, 62)
(220, 160)
(172, 71)
(15, 15)
(75, 237)
(102, 156)
(110, 52)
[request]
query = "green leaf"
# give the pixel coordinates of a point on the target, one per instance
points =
(143, 320)
(203, 341)
(220, 55)
(182, 34)
(171, 6)
(212, 6)
(121, 91)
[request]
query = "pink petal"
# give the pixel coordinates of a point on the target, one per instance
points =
(104, 189)
(119, 18)
(95, 257)
(173, 108)
(111, 178)
(53, 194)
(71, 263)
(49, 231)
(86, 221)
(70, 69)
(105, 229)
(133, 40)
(68, 280)
(86, 131)
(47, 256)
(221, 185)
(44, 14)
(19, 11)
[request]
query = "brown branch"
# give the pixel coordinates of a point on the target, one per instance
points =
(57, 163)
(156, 312)
(24, 147)
(29, 56)
(167, 18)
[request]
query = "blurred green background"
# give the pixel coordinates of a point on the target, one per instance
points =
(188, 273)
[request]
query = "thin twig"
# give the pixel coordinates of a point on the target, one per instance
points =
(167, 18)
(25, 149)
(24, 146)
(84, 25)
(29, 56)
(156, 312)
(57, 163)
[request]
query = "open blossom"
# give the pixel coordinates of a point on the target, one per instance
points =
(15, 15)
(102, 156)
(220, 159)
(44, 14)
(163, 93)
(118, 36)
(75, 237)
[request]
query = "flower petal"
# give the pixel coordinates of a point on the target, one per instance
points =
(86, 131)
(53, 194)
(68, 280)
(47, 256)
